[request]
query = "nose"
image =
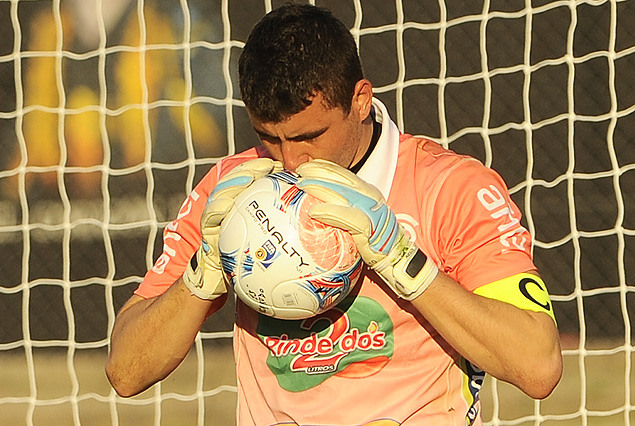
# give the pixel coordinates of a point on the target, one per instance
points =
(293, 155)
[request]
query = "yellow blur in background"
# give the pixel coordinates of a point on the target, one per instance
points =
(72, 129)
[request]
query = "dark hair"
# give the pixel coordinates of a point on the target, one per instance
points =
(294, 52)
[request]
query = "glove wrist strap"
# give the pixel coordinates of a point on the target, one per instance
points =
(196, 275)
(413, 273)
(408, 271)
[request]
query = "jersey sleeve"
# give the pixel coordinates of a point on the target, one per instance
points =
(181, 238)
(478, 228)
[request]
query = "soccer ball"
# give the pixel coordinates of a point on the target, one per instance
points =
(281, 262)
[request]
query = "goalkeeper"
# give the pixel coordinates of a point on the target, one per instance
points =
(450, 292)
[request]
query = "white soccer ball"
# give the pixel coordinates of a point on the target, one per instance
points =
(281, 262)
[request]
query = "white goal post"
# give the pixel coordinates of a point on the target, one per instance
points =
(111, 110)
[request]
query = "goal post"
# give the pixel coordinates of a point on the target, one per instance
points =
(112, 110)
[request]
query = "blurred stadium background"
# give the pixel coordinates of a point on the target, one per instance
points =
(111, 110)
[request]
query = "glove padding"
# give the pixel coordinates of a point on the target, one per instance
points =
(203, 275)
(358, 207)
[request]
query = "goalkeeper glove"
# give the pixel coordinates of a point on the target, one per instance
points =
(203, 275)
(359, 207)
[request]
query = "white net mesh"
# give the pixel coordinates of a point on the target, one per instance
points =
(110, 111)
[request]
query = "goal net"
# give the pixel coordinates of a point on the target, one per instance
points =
(111, 110)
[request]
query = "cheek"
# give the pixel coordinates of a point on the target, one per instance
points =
(346, 146)
(348, 152)
(341, 153)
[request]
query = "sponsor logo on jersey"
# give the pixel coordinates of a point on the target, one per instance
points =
(171, 237)
(354, 339)
(502, 211)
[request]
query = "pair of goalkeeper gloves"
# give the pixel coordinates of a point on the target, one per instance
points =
(350, 203)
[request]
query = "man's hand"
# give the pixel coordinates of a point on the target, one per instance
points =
(203, 275)
(358, 207)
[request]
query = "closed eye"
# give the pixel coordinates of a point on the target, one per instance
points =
(308, 137)
(268, 138)
(303, 137)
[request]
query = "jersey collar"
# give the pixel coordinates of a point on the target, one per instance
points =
(379, 168)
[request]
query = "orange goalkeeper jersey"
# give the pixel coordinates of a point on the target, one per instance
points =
(372, 360)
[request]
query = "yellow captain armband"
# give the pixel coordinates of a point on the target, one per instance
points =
(525, 291)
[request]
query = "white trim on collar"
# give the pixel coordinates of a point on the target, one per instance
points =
(379, 168)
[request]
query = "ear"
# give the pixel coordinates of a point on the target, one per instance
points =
(363, 98)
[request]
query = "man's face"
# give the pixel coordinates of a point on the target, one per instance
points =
(320, 132)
